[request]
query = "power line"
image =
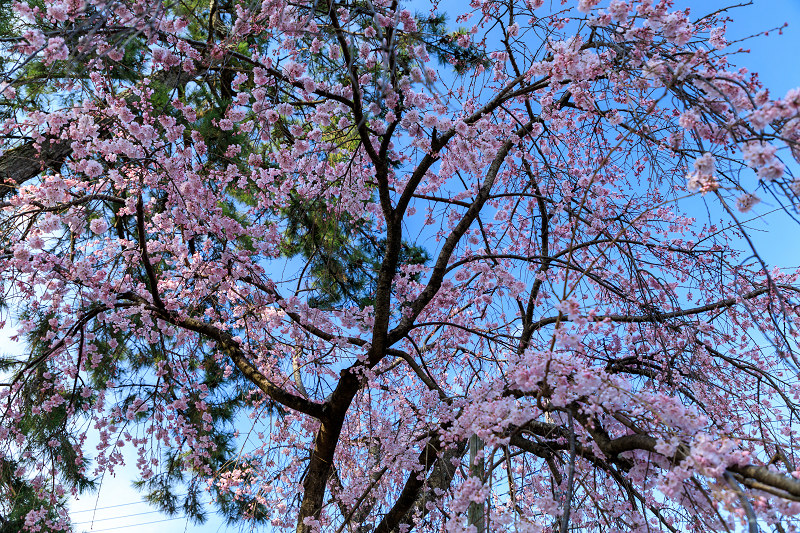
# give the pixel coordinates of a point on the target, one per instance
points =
(117, 505)
(108, 507)
(137, 525)
(114, 517)
(120, 517)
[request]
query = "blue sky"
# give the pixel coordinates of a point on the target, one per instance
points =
(118, 507)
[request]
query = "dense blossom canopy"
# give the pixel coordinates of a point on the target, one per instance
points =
(349, 266)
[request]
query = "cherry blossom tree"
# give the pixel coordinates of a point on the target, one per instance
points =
(347, 268)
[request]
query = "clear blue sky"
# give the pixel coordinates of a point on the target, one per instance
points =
(776, 58)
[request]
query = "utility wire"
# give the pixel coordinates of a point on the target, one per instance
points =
(117, 505)
(120, 517)
(137, 525)
(108, 507)
(126, 516)
(114, 517)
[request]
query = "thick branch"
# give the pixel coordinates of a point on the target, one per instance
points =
(230, 347)
(148, 266)
(418, 488)
(760, 474)
(23, 163)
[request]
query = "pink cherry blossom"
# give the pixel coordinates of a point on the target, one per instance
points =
(98, 226)
(346, 268)
(745, 202)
